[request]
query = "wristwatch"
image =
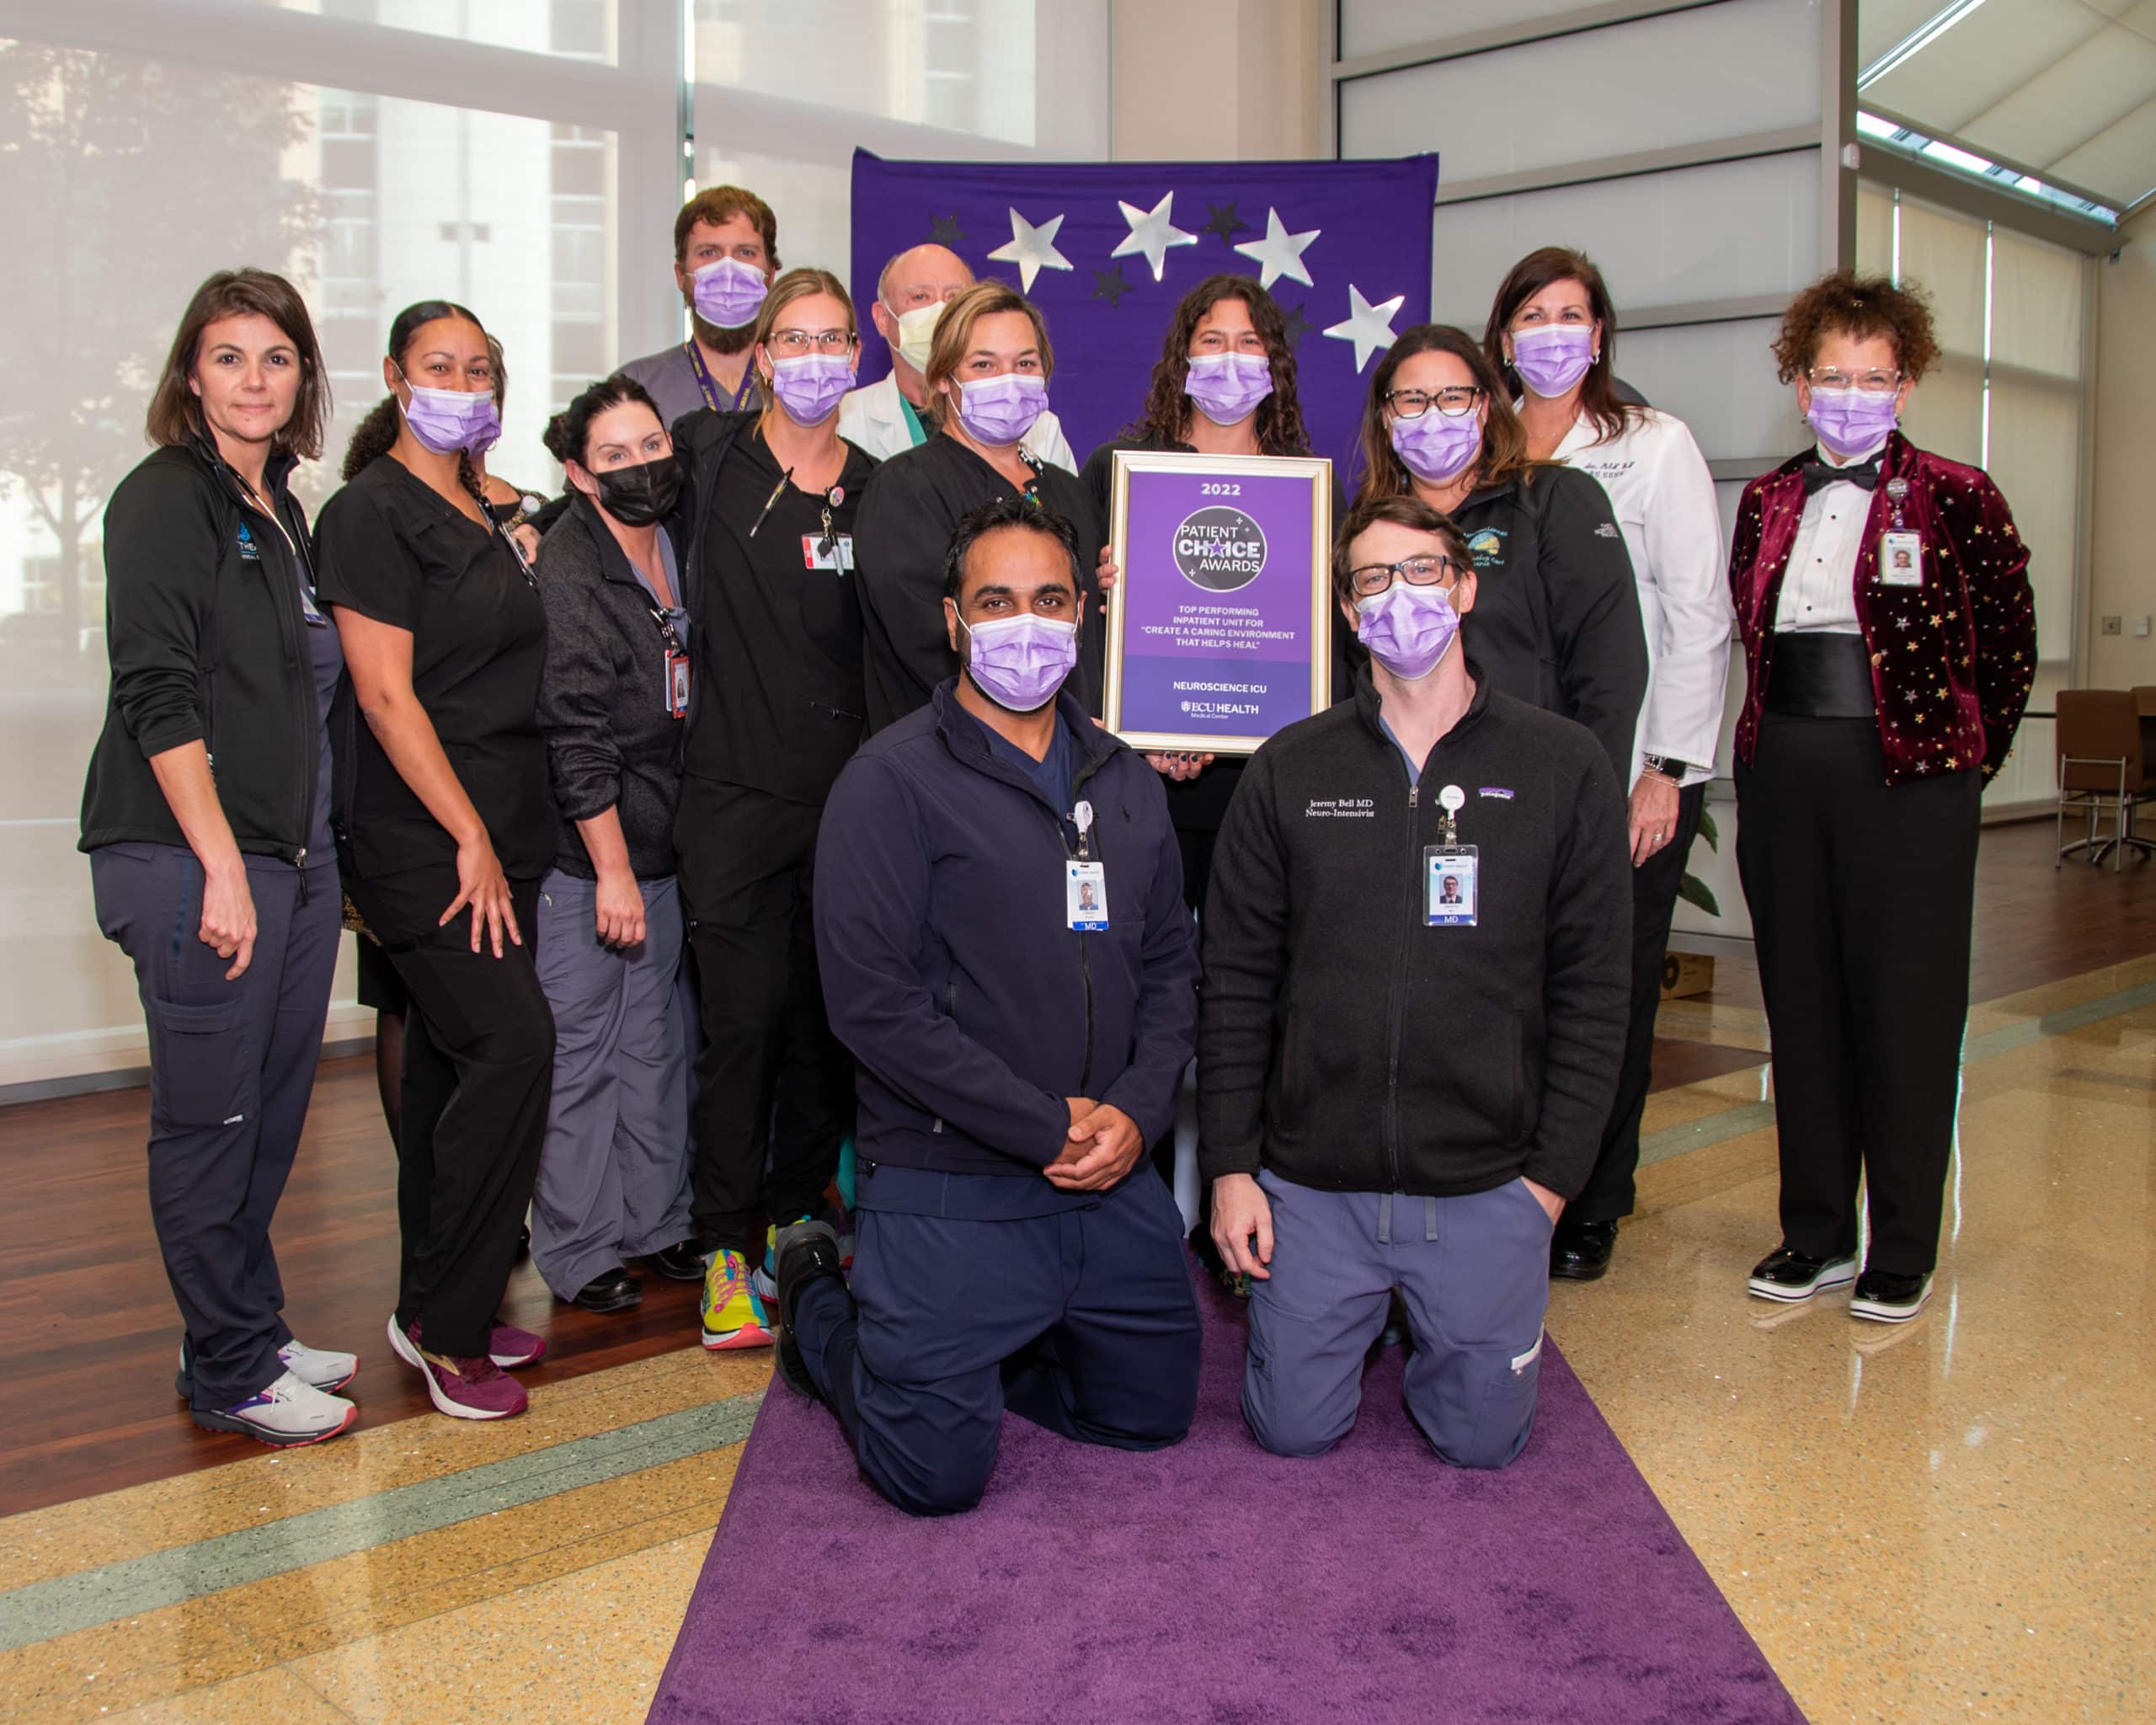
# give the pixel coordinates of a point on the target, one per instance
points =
(1667, 765)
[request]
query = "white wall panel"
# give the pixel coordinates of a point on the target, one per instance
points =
(1719, 378)
(1732, 231)
(1375, 26)
(1679, 78)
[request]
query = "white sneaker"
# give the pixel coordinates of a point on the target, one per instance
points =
(317, 1366)
(291, 1411)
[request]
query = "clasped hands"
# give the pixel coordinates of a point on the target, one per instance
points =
(1102, 1145)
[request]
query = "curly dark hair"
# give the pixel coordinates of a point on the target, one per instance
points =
(375, 434)
(1504, 441)
(1859, 306)
(1168, 408)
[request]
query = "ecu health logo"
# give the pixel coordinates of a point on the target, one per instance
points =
(1487, 546)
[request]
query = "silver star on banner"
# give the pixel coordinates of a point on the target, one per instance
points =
(1151, 233)
(1032, 248)
(1280, 253)
(1369, 326)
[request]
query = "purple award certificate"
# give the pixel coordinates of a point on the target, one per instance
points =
(1220, 631)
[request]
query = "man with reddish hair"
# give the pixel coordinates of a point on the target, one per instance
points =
(725, 258)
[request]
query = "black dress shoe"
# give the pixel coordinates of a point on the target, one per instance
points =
(1885, 1298)
(1580, 1252)
(681, 1261)
(609, 1290)
(801, 1254)
(1787, 1276)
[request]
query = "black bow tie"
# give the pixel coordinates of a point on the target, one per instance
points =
(1817, 475)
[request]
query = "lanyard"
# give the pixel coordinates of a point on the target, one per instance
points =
(709, 385)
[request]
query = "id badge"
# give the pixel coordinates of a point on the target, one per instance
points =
(677, 684)
(1085, 896)
(310, 613)
(1901, 559)
(1450, 885)
(834, 553)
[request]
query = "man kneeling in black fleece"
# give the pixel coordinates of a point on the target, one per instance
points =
(1004, 948)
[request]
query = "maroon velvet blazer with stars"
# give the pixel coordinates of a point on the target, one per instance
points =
(1952, 660)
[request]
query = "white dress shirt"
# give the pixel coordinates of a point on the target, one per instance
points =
(1818, 594)
(875, 418)
(1663, 497)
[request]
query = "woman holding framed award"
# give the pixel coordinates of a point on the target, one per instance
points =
(1224, 384)
(1552, 334)
(988, 376)
(1556, 618)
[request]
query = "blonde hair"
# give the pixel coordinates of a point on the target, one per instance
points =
(954, 331)
(798, 285)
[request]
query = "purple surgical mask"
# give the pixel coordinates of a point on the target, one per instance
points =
(729, 293)
(1852, 423)
(1436, 446)
(1020, 662)
(1407, 628)
(999, 411)
(1550, 358)
(451, 421)
(1228, 387)
(809, 385)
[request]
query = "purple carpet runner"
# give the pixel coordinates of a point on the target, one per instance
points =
(1214, 1583)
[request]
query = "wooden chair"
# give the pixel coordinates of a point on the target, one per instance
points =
(2102, 770)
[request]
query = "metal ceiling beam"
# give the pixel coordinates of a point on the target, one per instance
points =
(1908, 123)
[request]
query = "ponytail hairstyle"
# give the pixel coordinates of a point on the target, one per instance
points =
(568, 433)
(377, 434)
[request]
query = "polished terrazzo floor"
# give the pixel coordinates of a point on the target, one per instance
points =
(1947, 1520)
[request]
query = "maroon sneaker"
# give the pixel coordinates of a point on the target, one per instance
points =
(511, 1347)
(472, 1388)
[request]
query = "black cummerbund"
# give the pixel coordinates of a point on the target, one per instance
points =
(1820, 676)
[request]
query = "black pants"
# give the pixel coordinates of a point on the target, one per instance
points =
(231, 1068)
(478, 1072)
(1861, 895)
(1082, 1321)
(1609, 1192)
(772, 1082)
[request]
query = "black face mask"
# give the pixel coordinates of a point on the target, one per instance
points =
(635, 497)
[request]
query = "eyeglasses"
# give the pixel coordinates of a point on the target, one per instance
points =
(792, 343)
(1374, 577)
(1867, 382)
(1452, 403)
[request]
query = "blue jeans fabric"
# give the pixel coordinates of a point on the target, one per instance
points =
(1474, 1274)
(1085, 1323)
(232, 1070)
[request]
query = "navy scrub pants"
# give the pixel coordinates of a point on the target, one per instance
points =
(1474, 1274)
(1083, 1321)
(613, 1176)
(231, 1068)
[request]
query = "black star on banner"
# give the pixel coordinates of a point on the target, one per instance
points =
(1221, 219)
(1297, 323)
(1108, 285)
(944, 230)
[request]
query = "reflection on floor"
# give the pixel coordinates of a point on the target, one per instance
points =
(1949, 1520)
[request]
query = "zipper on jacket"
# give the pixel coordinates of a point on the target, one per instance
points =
(1396, 1008)
(299, 662)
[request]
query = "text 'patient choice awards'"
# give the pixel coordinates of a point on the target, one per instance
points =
(1220, 548)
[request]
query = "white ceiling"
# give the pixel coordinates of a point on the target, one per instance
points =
(2064, 87)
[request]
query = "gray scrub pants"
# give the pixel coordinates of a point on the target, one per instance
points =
(231, 1068)
(1474, 1274)
(614, 1174)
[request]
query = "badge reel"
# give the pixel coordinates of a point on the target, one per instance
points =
(829, 549)
(1085, 881)
(1901, 550)
(1451, 870)
(674, 692)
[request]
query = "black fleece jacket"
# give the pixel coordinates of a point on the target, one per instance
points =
(611, 742)
(1345, 1045)
(203, 632)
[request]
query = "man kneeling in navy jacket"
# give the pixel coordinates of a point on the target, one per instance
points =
(1005, 948)
(1416, 944)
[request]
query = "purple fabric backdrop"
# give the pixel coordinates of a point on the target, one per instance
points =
(1359, 225)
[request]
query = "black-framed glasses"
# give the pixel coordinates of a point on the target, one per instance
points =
(1872, 382)
(1374, 577)
(793, 343)
(1411, 403)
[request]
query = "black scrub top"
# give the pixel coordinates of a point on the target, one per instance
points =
(909, 514)
(393, 550)
(784, 703)
(1200, 804)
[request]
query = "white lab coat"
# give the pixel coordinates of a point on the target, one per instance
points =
(873, 418)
